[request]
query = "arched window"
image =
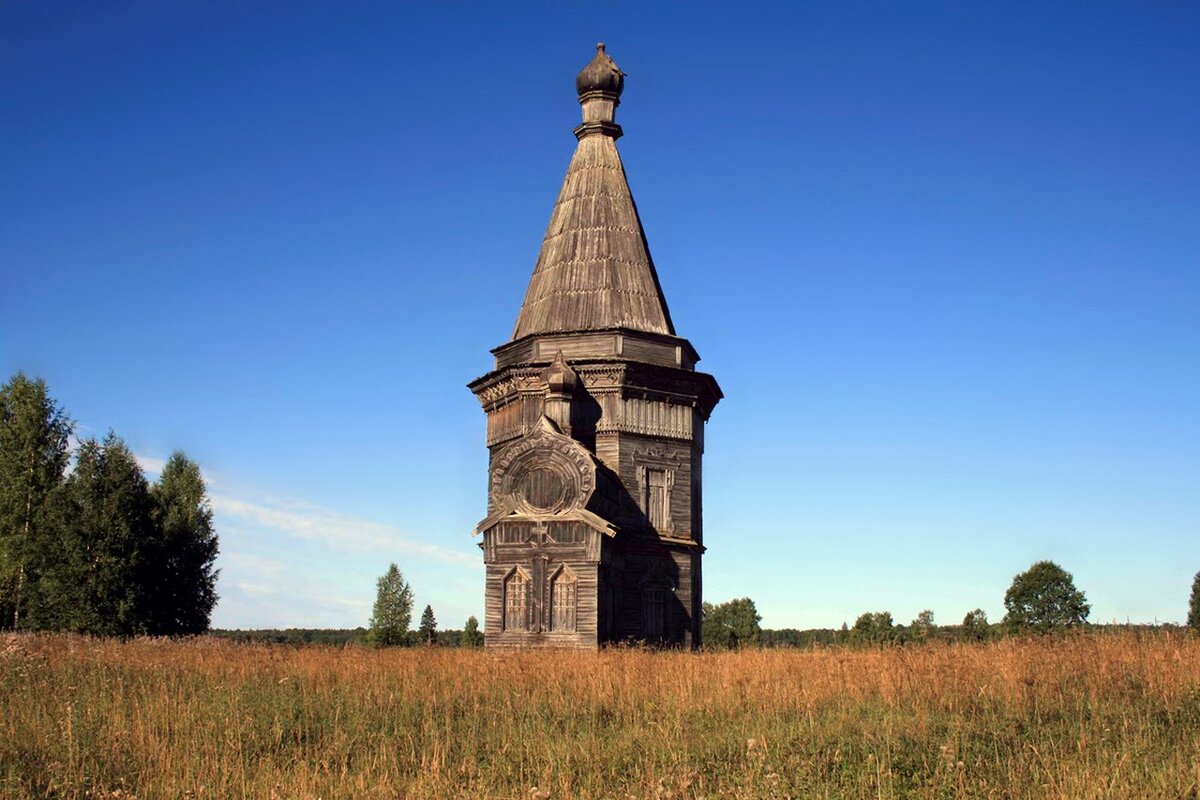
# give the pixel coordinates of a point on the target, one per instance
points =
(563, 601)
(516, 601)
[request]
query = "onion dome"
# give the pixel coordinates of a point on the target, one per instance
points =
(600, 75)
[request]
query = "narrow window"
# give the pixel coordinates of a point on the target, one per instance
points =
(658, 499)
(562, 602)
(653, 613)
(516, 602)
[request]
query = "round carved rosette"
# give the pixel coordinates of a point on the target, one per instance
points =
(542, 476)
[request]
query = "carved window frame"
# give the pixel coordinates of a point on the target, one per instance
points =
(561, 579)
(644, 490)
(526, 605)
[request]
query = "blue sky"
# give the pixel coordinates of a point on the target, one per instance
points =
(944, 259)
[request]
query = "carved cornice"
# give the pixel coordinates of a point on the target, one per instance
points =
(504, 386)
(699, 388)
(631, 377)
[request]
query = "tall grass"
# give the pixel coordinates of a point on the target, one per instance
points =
(1080, 717)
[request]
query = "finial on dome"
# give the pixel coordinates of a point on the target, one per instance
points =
(600, 75)
(599, 85)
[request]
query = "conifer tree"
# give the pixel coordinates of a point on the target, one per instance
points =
(393, 611)
(471, 637)
(428, 629)
(93, 578)
(182, 579)
(34, 437)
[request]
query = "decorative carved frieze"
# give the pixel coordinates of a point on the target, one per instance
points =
(649, 453)
(607, 377)
(647, 417)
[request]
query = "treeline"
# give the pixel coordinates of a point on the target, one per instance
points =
(328, 636)
(1043, 599)
(912, 634)
(340, 637)
(767, 637)
(87, 544)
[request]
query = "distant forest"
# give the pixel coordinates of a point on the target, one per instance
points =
(781, 637)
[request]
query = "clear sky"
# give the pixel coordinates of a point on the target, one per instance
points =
(943, 258)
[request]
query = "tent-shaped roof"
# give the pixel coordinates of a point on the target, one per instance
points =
(594, 270)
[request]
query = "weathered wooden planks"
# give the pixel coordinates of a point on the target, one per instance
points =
(595, 422)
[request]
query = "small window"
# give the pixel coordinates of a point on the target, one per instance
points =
(658, 499)
(516, 602)
(562, 602)
(654, 602)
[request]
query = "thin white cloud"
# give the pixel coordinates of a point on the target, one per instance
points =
(334, 529)
(255, 588)
(150, 464)
(263, 580)
(317, 524)
(268, 568)
(153, 467)
(258, 591)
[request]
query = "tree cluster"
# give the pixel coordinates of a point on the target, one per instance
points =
(391, 619)
(873, 627)
(87, 544)
(730, 625)
(1041, 599)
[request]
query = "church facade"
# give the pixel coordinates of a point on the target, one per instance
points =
(595, 425)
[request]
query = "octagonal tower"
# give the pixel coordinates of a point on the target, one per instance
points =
(595, 424)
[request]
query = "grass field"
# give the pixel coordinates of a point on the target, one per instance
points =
(1089, 716)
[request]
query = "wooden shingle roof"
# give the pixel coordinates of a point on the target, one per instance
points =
(594, 270)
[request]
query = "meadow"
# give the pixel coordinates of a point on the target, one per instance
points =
(1084, 716)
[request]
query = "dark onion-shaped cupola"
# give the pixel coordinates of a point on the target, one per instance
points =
(600, 84)
(600, 75)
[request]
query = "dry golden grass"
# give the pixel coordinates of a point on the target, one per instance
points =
(1092, 716)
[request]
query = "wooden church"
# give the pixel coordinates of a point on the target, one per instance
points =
(595, 425)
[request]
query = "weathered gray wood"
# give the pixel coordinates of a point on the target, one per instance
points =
(595, 422)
